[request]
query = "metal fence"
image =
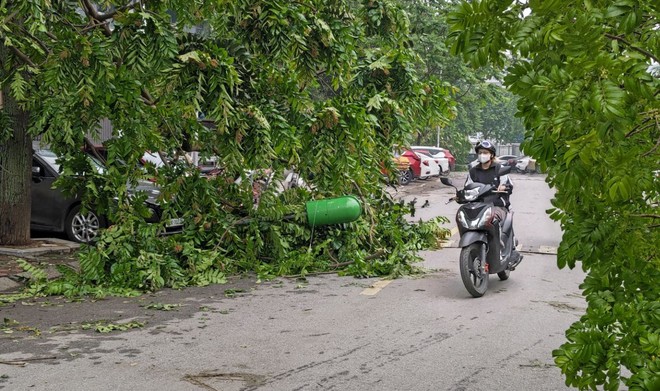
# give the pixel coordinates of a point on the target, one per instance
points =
(508, 149)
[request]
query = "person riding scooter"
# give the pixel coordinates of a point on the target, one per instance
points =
(488, 172)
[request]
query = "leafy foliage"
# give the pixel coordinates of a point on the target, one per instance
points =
(589, 100)
(482, 104)
(105, 327)
(322, 87)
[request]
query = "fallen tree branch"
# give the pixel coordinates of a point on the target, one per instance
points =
(23, 362)
(95, 17)
(111, 14)
(95, 25)
(23, 56)
(375, 255)
(10, 17)
(33, 38)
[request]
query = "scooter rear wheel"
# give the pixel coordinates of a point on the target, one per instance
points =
(473, 270)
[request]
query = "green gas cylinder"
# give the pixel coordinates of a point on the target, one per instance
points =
(333, 211)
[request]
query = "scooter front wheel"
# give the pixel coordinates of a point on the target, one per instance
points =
(473, 270)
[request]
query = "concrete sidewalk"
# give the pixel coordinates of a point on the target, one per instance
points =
(39, 248)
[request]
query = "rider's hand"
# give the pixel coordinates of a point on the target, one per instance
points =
(501, 188)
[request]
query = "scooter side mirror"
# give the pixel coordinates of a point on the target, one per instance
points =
(446, 181)
(505, 170)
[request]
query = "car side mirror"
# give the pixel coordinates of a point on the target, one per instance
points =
(36, 174)
(446, 181)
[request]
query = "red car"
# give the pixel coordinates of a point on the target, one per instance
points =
(418, 168)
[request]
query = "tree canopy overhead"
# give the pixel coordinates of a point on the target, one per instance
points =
(325, 87)
(483, 106)
(586, 74)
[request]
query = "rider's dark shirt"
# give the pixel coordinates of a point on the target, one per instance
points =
(490, 176)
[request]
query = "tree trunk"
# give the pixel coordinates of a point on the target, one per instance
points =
(15, 171)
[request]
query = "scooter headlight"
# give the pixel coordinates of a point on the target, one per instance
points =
(471, 194)
(462, 219)
(476, 223)
(485, 218)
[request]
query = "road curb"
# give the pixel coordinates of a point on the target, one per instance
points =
(41, 247)
(12, 282)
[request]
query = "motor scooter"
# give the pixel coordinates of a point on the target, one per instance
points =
(484, 250)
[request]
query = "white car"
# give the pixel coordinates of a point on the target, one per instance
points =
(435, 152)
(441, 162)
(430, 166)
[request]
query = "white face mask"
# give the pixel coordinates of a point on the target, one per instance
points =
(484, 157)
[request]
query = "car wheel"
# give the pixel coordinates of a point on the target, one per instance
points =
(82, 227)
(405, 177)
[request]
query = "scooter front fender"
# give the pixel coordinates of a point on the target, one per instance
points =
(470, 237)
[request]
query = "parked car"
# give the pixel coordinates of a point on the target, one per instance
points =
(519, 164)
(402, 165)
(54, 211)
(431, 163)
(526, 164)
(442, 163)
(419, 169)
(508, 160)
(439, 153)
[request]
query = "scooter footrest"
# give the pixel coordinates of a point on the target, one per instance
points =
(516, 258)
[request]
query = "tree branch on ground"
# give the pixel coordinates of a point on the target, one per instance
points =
(95, 18)
(111, 14)
(10, 17)
(39, 42)
(23, 56)
(93, 26)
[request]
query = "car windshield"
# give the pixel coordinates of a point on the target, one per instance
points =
(51, 158)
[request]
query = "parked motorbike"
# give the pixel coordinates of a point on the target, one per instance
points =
(484, 250)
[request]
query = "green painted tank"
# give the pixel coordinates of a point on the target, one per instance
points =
(333, 211)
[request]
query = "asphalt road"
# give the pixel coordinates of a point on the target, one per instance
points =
(326, 333)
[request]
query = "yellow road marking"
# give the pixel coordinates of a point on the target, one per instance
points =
(375, 287)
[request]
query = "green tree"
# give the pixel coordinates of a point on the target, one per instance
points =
(584, 73)
(326, 87)
(481, 106)
(498, 115)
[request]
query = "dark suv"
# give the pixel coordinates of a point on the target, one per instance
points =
(53, 211)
